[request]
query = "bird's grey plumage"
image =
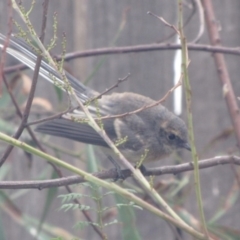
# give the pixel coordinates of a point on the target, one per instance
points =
(155, 131)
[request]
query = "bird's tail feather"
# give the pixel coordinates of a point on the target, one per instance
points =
(21, 51)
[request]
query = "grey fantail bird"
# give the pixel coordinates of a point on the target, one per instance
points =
(154, 131)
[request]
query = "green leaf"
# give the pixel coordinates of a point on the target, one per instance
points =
(83, 224)
(127, 219)
(74, 206)
(72, 196)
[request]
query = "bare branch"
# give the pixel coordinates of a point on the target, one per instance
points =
(146, 106)
(165, 22)
(136, 49)
(222, 70)
(112, 174)
(201, 21)
(31, 93)
(120, 80)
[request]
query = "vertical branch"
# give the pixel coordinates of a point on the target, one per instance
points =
(228, 92)
(30, 97)
(190, 121)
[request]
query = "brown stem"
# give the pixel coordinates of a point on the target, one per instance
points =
(112, 174)
(228, 92)
(136, 49)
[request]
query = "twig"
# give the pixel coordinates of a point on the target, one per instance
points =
(57, 115)
(112, 174)
(146, 106)
(164, 39)
(201, 20)
(111, 116)
(165, 22)
(120, 80)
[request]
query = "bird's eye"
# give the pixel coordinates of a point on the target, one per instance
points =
(172, 136)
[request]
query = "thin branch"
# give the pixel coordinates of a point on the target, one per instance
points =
(69, 109)
(188, 97)
(146, 106)
(165, 22)
(19, 113)
(201, 21)
(135, 49)
(29, 101)
(120, 80)
(164, 39)
(57, 115)
(112, 174)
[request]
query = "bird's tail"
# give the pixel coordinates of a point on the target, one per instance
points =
(22, 52)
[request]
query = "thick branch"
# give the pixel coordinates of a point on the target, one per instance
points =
(112, 174)
(230, 98)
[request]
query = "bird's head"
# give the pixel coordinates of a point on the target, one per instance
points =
(173, 134)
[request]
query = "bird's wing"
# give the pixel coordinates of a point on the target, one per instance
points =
(77, 131)
(82, 132)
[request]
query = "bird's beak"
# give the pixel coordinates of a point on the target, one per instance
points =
(186, 146)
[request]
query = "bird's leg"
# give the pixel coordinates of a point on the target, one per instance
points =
(120, 174)
(143, 169)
